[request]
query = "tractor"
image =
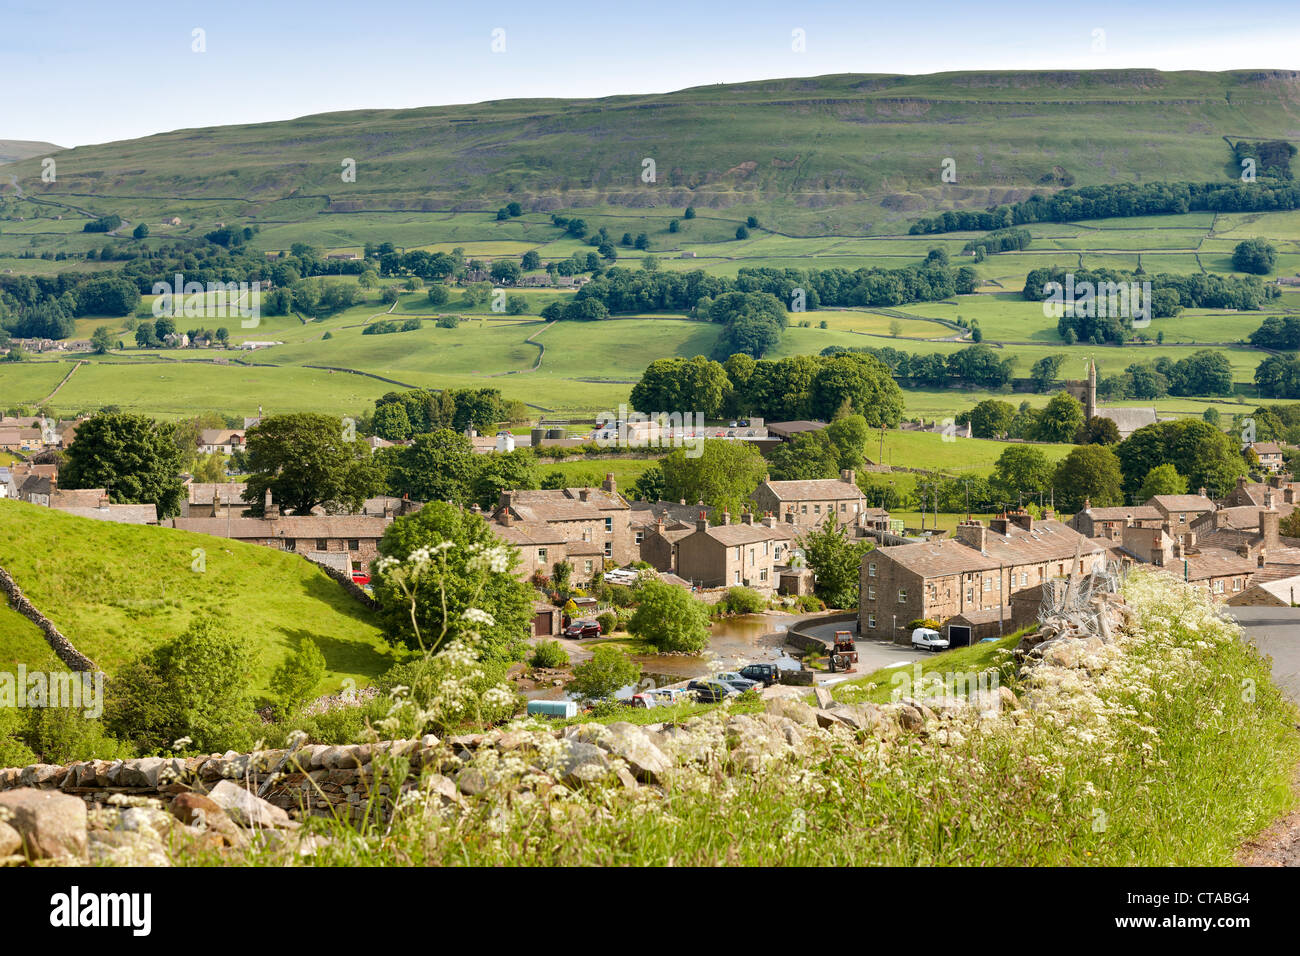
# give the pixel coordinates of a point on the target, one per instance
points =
(843, 654)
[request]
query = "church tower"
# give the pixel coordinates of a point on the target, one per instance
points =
(1090, 406)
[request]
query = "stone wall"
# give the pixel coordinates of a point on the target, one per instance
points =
(61, 646)
(356, 590)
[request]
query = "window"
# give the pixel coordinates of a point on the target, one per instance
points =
(902, 595)
(541, 554)
(737, 577)
(871, 592)
(762, 575)
(609, 549)
(322, 544)
(988, 583)
(1024, 578)
(290, 544)
(844, 506)
(640, 536)
(751, 555)
(586, 566)
(803, 509)
(970, 595)
(737, 554)
(354, 544)
(1218, 587)
(871, 570)
(1236, 584)
(817, 509)
(609, 526)
(871, 620)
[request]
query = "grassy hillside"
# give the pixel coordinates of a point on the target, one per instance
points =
(117, 590)
(12, 150)
(836, 151)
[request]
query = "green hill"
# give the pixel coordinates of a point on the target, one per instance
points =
(12, 150)
(833, 152)
(117, 590)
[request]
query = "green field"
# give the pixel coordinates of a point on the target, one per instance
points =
(117, 590)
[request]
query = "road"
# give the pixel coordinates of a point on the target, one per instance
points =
(1276, 632)
(872, 655)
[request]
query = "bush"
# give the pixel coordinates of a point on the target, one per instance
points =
(195, 687)
(294, 682)
(549, 654)
(608, 621)
(608, 670)
(809, 603)
(740, 600)
(670, 619)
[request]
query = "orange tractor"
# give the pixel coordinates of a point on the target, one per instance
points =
(844, 654)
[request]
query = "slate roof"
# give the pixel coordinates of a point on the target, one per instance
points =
(287, 526)
(1182, 503)
(813, 489)
(201, 492)
(120, 514)
(1049, 541)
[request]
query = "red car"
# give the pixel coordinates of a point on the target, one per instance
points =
(581, 629)
(361, 578)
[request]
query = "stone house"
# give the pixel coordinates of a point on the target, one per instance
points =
(595, 521)
(979, 570)
(807, 503)
(749, 554)
(227, 441)
(1181, 510)
(1270, 455)
(1111, 522)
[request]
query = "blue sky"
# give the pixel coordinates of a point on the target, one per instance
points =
(87, 72)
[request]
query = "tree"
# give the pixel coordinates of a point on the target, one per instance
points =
(1046, 370)
(991, 419)
(1256, 256)
(723, 475)
(1162, 480)
(439, 466)
(1201, 453)
(1097, 431)
(531, 260)
(141, 231)
(503, 471)
(194, 686)
(742, 232)
(608, 670)
(848, 435)
(1088, 472)
(1022, 470)
(864, 382)
(649, 485)
(836, 561)
(505, 271)
(441, 562)
(305, 460)
(133, 457)
(809, 455)
(294, 681)
(670, 619)
(1061, 419)
(689, 213)
(102, 340)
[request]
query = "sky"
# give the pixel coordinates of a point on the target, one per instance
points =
(93, 72)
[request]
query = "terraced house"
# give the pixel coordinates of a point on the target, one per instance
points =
(971, 576)
(590, 528)
(750, 554)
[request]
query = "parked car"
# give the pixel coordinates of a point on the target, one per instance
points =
(361, 578)
(580, 629)
(737, 680)
(709, 691)
(928, 639)
(659, 697)
(765, 674)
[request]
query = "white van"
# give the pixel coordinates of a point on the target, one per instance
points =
(928, 639)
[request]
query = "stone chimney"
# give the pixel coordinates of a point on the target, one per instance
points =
(1288, 494)
(1178, 551)
(769, 520)
(972, 533)
(767, 477)
(609, 484)
(584, 494)
(1087, 505)
(103, 502)
(506, 499)
(269, 508)
(388, 509)
(726, 517)
(1269, 522)
(1024, 519)
(1201, 491)
(702, 522)
(1241, 481)
(747, 517)
(847, 476)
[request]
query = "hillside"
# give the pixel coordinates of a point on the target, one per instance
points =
(12, 150)
(117, 590)
(836, 152)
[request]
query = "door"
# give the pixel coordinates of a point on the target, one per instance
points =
(959, 635)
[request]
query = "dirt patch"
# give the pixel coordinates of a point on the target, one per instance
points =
(1279, 844)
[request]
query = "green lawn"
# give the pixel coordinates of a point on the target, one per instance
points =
(118, 590)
